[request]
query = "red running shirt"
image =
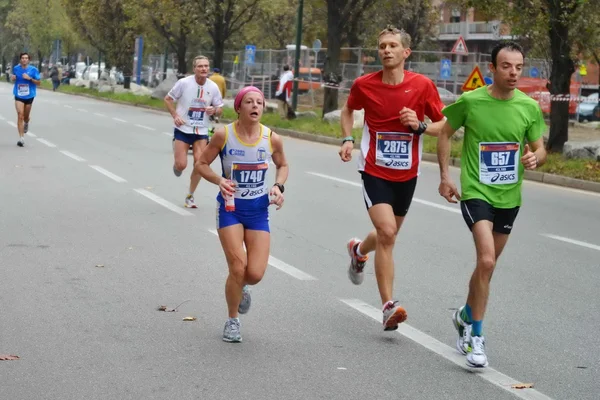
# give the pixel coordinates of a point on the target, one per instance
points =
(388, 149)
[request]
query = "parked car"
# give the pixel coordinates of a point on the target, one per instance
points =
(585, 109)
(447, 96)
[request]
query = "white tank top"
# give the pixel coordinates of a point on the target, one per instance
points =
(247, 164)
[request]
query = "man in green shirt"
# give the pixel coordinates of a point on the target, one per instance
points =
(503, 137)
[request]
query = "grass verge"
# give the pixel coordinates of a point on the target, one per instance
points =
(556, 164)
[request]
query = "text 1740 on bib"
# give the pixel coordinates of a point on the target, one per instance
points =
(249, 179)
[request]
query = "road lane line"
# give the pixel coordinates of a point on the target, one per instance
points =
(2, 118)
(11, 124)
(119, 119)
(47, 143)
(82, 110)
(100, 115)
(168, 134)
(31, 134)
(145, 127)
(67, 106)
(109, 174)
(163, 202)
(73, 156)
(572, 241)
(489, 374)
(283, 266)
(416, 200)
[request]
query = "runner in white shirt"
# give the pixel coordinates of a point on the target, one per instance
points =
(197, 98)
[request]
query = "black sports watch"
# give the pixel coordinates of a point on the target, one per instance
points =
(280, 186)
(422, 128)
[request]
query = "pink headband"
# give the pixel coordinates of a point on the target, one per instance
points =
(240, 96)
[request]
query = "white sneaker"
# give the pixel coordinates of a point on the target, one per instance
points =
(463, 343)
(476, 358)
(357, 265)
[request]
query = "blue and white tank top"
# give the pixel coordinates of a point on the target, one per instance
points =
(247, 164)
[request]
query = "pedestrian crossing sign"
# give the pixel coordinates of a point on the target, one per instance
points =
(460, 47)
(474, 81)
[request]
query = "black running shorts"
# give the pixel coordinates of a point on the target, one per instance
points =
(475, 210)
(380, 191)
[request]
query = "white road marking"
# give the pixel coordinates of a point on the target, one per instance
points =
(416, 200)
(489, 374)
(163, 202)
(2, 118)
(109, 174)
(283, 267)
(572, 241)
(145, 127)
(168, 134)
(73, 156)
(119, 119)
(82, 110)
(100, 115)
(47, 143)
(67, 106)
(31, 134)
(11, 124)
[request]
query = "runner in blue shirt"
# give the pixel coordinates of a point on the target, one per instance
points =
(26, 79)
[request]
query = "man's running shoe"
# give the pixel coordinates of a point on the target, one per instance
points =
(26, 127)
(393, 315)
(189, 202)
(476, 358)
(21, 142)
(176, 172)
(231, 332)
(357, 265)
(246, 300)
(463, 343)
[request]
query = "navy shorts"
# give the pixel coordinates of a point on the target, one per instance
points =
(189, 138)
(25, 101)
(254, 219)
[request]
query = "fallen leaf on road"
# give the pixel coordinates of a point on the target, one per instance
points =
(189, 319)
(100, 266)
(8, 357)
(522, 386)
(166, 309)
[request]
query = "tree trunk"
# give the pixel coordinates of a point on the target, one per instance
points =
(332, 63)
(560, 81)
(40, 61)
(127, 81)
(597, 58)
(182, 52)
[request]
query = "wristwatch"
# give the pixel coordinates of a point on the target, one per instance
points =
(280, 186)
(422, 128)
(348, 139)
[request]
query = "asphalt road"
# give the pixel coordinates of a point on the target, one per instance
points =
(95, 186)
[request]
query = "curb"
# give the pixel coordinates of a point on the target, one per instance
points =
(542, 177)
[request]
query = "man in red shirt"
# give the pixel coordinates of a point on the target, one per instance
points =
(395, 103)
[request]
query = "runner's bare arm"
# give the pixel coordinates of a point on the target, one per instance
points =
(347, 121)
(279, 159)
(209, 154)
(170, 104)
(281, 164)
(435, 128)
(447, 188)
(537, 157)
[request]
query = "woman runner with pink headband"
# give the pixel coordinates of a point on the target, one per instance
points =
(245, 148)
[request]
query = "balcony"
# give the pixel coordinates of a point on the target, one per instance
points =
(478, 30)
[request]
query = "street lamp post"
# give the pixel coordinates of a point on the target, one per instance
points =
(297, 61)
